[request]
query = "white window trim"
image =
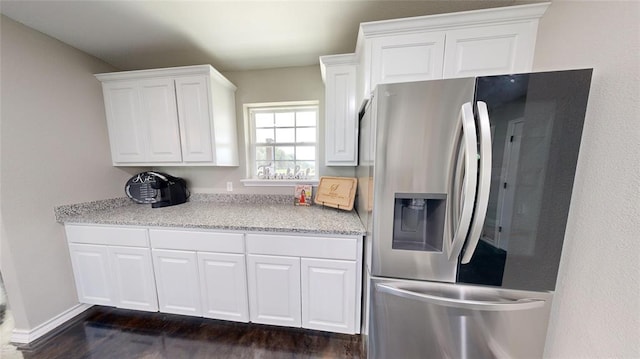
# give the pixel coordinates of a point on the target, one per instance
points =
(250, 143)
(277, 183)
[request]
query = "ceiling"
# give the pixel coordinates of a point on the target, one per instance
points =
(230, 35)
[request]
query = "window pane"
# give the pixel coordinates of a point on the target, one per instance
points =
(285, 142)
(285, 135)
(308, 168)
(284, 152)
(306, 135)
(264, 153)
(264, 135)
(285, 119)
(285, 168)
(264, 119)
(306, 118)
(305, 153)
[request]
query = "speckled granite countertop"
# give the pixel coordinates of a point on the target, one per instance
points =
(223, 212)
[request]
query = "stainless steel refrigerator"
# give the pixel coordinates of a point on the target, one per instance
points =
(464, 188)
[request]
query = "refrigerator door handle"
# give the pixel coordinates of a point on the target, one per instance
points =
(490, 305)
(470, 143)
(484, 183)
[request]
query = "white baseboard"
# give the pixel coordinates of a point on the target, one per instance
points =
(23, 336)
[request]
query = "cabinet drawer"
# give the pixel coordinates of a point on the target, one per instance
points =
(115, 236)
(303, 246)
(197, 240)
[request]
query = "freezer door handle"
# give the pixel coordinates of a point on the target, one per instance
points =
(501, 304)
(469, 143)
(484, 183)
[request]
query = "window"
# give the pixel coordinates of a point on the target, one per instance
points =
(283, 140)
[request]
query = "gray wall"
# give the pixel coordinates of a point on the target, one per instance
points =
(54, 150)
(596, 312)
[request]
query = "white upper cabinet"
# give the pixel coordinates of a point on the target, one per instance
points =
(174, 116)
(126, 129)
(341, 123)
(160, 120)
(490, 50)
(407, 57)
(195, 127)
(471, 43)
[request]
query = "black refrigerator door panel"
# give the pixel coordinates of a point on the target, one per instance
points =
(536, 127)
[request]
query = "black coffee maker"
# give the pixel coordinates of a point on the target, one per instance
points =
(159, 189)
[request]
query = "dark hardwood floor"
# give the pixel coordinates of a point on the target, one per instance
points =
(104, 332)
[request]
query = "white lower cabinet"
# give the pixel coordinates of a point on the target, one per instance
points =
(177, 281)
(274, 290)
(223, 286)
(92, 274)
(287, 287)
(109, 273)
(196, 276)
(287, 280)
(328, 300)
(133, 278)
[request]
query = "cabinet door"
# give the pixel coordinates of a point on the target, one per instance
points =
(133, 279)
(92, 273)
(274, 290)
(224, 286)
(404, 58)
(177, 281)
(126, 131)
(195, 118)
(158, 111)
(490, 50)
(329, 295)
(341, 133)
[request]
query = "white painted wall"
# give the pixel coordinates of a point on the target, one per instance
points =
(272, 85)
(596, 313)
(54, 150)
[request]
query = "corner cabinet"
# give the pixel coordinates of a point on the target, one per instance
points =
(174, 116)
(341, 123)
(112, 266)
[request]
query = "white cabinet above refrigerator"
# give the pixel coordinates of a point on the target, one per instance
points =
(463, 44)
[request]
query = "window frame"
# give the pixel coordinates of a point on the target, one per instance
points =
(250, 141)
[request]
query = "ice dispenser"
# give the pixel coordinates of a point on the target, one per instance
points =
(418, 221)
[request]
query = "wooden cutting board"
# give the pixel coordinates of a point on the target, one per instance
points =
(337, 192)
